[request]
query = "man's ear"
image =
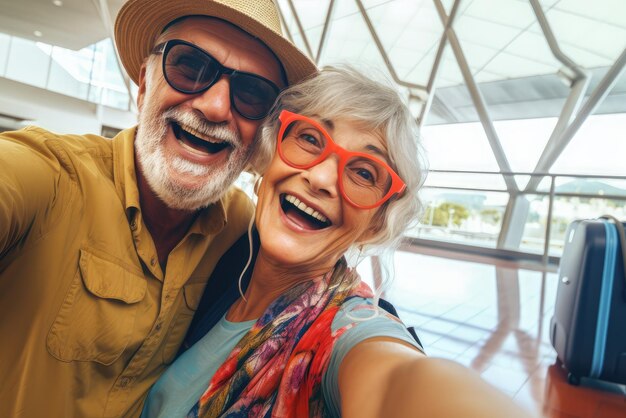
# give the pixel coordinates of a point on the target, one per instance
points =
(142, 86)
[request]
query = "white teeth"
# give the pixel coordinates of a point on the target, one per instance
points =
(192, 150)
(304, 208)
(193, 132)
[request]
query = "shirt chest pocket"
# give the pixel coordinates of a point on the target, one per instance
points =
(97, 317)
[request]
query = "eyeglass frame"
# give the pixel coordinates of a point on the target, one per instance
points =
(164, 48)
(286, 117)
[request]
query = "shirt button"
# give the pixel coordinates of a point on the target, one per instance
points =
(167, 297)
(158, 326)
(133, 225)
(124, 382)
(152, 261)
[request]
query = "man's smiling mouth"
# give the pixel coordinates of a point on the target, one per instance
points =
(193, 141)
(302, 214)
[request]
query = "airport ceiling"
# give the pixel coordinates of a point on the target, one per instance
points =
(502, 42)
(71, 24)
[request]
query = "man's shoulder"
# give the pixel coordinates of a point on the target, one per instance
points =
(37, 137)
(78, 142)
(234, 193)
(79, 156)
(236, 202)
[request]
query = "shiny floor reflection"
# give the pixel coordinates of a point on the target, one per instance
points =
(494, 316)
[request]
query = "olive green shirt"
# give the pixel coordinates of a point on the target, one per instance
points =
(88, 320)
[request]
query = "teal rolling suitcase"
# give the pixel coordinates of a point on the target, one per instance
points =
(588, 329)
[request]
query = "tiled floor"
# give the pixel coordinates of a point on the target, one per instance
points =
(494, 317)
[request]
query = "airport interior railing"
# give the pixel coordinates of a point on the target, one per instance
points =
(475, 211)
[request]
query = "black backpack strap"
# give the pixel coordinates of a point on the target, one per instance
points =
(221, 291)
(387, 306)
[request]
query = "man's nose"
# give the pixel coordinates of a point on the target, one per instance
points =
(214, 103)
(323, 177)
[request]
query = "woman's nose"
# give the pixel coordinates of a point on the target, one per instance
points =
(323, 177)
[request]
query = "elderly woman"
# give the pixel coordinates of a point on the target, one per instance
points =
(306, 339)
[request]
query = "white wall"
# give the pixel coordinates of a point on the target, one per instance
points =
(57, 112)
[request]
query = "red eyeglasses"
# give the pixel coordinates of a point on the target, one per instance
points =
(365, 181)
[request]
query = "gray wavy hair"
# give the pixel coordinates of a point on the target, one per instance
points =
(342, 93)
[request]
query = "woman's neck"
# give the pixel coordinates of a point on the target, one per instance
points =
(270, 280)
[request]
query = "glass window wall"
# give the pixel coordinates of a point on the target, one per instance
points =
(28, 62)
(5, 45)
(90, 74)
(464, 216)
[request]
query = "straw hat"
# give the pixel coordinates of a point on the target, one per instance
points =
(139, 22)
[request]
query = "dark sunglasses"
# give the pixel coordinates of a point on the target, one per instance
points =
(191, 70)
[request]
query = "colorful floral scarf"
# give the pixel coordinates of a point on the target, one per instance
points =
(277, 368)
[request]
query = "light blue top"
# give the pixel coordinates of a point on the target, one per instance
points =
(182, 384)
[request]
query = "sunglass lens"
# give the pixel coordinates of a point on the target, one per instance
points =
(252, 96)
(188, 69)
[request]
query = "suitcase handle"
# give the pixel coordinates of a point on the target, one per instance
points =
(622, 240)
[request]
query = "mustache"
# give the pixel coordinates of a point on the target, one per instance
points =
(219, 131)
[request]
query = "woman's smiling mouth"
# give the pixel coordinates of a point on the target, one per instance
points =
(301, 214)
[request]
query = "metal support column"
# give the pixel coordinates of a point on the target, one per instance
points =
(552, 43)
(595, 98)
(301, 29)
(434, 72)
(479, 102)
(284, 23)
(546, 242)
(517, 209)
(579, 84)
(383, 53)
(322, 44)
(568, 112)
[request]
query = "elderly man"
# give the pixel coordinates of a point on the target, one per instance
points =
(106, 246)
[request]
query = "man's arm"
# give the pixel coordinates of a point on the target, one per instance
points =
(384, 377)
(28, 181)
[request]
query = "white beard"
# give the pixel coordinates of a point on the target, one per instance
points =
(156, 167)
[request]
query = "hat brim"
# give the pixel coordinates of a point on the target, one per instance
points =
(140, 22)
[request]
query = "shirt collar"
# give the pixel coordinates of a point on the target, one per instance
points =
(210, 220)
